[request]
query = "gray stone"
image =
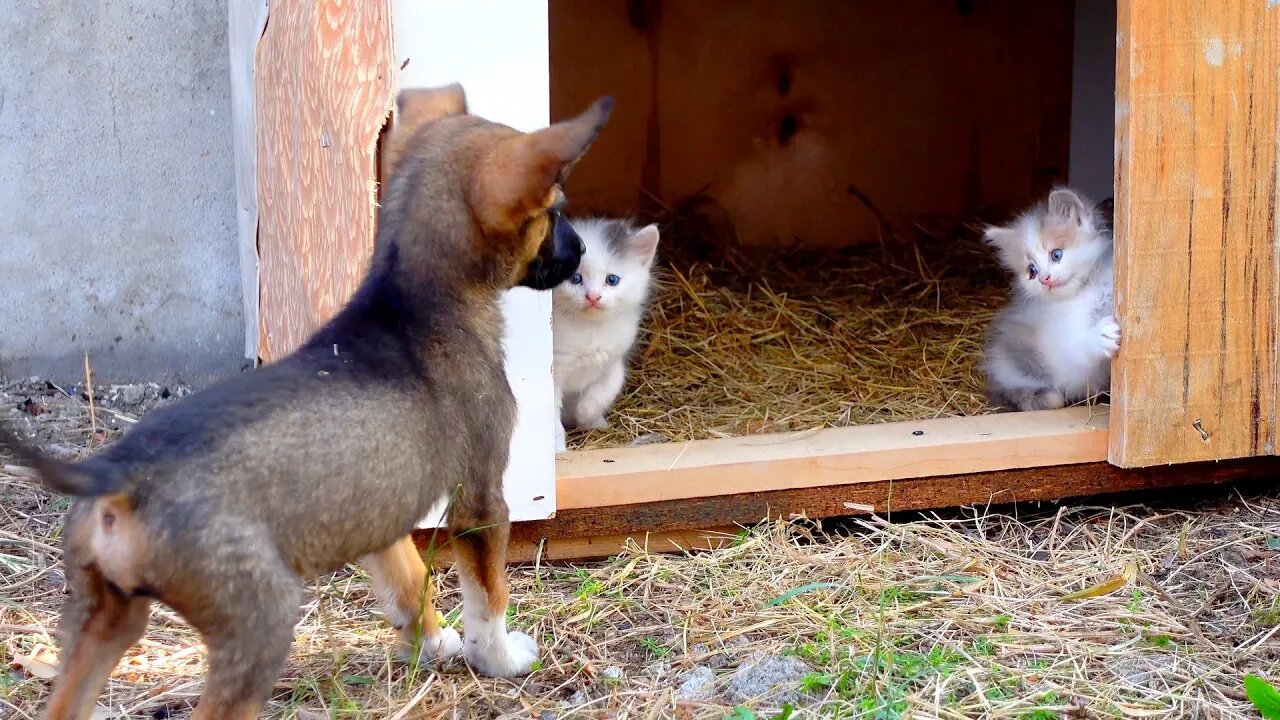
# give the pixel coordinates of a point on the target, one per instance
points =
(612, 673)
(131, 394)
(772, 678)
(697, 684)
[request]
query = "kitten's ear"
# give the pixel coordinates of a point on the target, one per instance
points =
(1066, 205)
(643, 243)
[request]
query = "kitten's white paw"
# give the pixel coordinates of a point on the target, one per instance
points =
(442, 647)
(511, 656)
(1109, 336)
(596, 423)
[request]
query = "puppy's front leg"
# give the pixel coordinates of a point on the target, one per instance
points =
(481, 527)
(401, 582)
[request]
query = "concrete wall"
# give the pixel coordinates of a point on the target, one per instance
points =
(117, 191)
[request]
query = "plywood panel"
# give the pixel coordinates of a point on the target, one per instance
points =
(1198, 107)
(246, 20)
(323, 91)
(814, 120)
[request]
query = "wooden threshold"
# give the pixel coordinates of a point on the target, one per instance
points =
(872, 454)
(675, 525)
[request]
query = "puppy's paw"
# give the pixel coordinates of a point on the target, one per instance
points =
(1109, 336)
(442, 647)
(446, 645)
(512, 656)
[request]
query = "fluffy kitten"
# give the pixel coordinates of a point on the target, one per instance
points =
(1052, 345)
(596, 316)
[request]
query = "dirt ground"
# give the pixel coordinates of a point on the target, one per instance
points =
(956, 615)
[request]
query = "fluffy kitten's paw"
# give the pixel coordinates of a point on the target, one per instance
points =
(1109, 336)
(442, 647)
(596, 423)
(1041, 400)
(511, 656)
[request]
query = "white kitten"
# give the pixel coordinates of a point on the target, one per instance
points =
(596, 316)
(1052, 345)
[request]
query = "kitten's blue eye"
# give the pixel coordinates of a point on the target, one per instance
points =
(576, 279)
(1056, 255)
(612, 280)
(1032, 271)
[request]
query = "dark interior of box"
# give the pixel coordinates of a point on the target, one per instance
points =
(820, 169)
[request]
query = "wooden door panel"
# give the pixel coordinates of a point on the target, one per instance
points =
(1197, 111)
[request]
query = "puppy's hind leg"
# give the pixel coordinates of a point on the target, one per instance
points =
(245, 606)
(401, 582)
(98, 624)
(480, 525)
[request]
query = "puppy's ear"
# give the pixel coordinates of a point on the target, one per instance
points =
(517, 177)
(416, 107)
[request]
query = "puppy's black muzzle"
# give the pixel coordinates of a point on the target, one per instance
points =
(558, 257)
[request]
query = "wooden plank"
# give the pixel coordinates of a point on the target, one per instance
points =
(246, 20)
(323, 92)
(600, 531)
(837, 456)
(1197, 113)
(525, 549)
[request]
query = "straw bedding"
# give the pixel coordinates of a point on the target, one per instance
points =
(745, 342)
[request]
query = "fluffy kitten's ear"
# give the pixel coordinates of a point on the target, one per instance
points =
(643, 243)
(1067, 206)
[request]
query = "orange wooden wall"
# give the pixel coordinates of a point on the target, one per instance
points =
(796, 115)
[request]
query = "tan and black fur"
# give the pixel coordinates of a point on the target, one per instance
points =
(220, 505)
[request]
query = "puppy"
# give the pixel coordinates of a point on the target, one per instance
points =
(218, 506)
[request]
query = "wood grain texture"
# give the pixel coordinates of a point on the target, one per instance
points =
(324, 85)
(601, 531)
(816, 121)
(246, 20)
(836, 456)
(1197, 114)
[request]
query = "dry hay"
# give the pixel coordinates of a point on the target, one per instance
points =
(950, 617)
(742, 342)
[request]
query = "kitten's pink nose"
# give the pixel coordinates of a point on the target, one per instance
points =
(593, 299)
(1046, 280)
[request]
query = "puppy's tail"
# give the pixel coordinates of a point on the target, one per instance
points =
(61, 476)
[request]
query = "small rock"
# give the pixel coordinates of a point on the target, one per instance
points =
(659, 669)
(131, 394)
(548, 715)
(576, 699)
(697, 684)
(773, 678)
(612, 673)
(699, 649)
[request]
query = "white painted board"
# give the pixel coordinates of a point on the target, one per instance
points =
(498, 50)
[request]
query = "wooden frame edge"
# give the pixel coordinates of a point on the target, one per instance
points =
(676, 525)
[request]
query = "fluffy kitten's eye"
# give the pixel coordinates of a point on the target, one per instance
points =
(1056, 255)
(576, 279)
(612, 279)
(1032, 271)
